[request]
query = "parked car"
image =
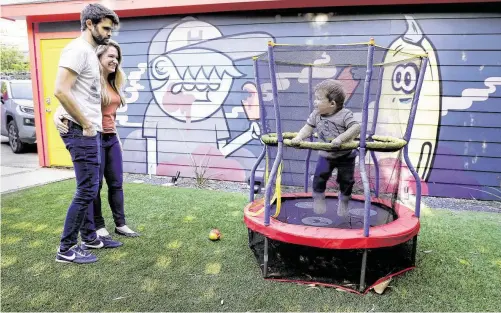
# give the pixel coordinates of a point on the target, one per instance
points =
(18, 114)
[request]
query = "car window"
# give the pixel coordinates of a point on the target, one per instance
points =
(21, 91)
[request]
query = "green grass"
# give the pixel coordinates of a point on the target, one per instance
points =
(174, 267)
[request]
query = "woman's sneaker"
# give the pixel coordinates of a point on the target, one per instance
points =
(75, 255)
(103, 233)
(126, 231)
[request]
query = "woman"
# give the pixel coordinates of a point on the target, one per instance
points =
(112, 81)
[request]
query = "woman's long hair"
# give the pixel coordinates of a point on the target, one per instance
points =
(116, 79)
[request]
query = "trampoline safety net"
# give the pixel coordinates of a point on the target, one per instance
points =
(298, 69)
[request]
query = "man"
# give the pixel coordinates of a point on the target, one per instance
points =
(78, 88)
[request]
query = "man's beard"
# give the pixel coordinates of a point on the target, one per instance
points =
(99, 39)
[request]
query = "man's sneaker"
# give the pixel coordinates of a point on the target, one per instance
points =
(75, 255)
(101, 242)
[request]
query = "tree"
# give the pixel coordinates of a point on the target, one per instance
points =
(12, 60)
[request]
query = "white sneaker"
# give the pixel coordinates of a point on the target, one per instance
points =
(126, 231)
(102, 232)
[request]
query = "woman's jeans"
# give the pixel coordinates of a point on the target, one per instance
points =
(112, 170)
(86, 157)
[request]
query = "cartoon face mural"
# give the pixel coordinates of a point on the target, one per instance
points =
(397, 92)
(191, 73)
(188, 87)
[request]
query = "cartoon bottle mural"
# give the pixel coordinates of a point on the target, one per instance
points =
(397, 90)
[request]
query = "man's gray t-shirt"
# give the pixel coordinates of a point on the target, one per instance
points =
(329, 127)
(80, 57)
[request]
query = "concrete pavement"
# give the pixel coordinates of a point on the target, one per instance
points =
(21, 171)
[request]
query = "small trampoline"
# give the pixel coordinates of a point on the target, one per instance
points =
(376, 237)
(297, 223)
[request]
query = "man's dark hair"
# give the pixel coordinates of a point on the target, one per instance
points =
(96, 13)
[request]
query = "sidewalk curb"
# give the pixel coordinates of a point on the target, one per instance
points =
(36, 185)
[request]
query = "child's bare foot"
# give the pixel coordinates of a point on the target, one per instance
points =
(319, 205)
(342, 209)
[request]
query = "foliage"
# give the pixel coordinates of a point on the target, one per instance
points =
(12, 60)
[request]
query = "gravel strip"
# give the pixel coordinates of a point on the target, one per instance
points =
(228, 186)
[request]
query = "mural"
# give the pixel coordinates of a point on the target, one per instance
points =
(192, 101)
(191, 69)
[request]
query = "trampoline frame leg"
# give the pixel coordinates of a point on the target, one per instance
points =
(362, 271)
(251, 236)
(414, 247)
(265, 268)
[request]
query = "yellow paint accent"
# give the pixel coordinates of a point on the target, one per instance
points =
(50, 51)
(278, 190)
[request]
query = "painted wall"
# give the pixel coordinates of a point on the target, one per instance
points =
(205, 61)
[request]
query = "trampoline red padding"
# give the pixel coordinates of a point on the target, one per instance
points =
(400, 228)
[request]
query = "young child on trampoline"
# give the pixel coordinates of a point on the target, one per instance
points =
(334, 124)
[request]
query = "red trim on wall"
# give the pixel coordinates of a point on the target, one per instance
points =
(59, 35)
(70, 10)
(41, 127)
(37, 103)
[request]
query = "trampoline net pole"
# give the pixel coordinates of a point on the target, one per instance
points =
(408, 134)
(278, 157)
(310, 105)
(363, 132)
(262, 119)
(373, 129)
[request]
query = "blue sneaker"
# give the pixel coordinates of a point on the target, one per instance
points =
(75, 255)
(101, 242)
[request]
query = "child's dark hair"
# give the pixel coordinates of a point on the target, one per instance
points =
(96, 12)
(333, 91)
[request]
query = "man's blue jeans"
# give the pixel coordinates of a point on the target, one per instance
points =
(86, 157)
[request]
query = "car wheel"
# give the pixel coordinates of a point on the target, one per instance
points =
(15, 143)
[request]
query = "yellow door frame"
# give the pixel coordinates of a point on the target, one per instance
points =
(45, 109)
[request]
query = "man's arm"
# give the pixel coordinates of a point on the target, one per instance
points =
(65, 79)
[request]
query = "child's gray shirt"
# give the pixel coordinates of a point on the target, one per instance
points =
(329, 127)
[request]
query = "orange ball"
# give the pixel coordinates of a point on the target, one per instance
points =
(214, 234)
